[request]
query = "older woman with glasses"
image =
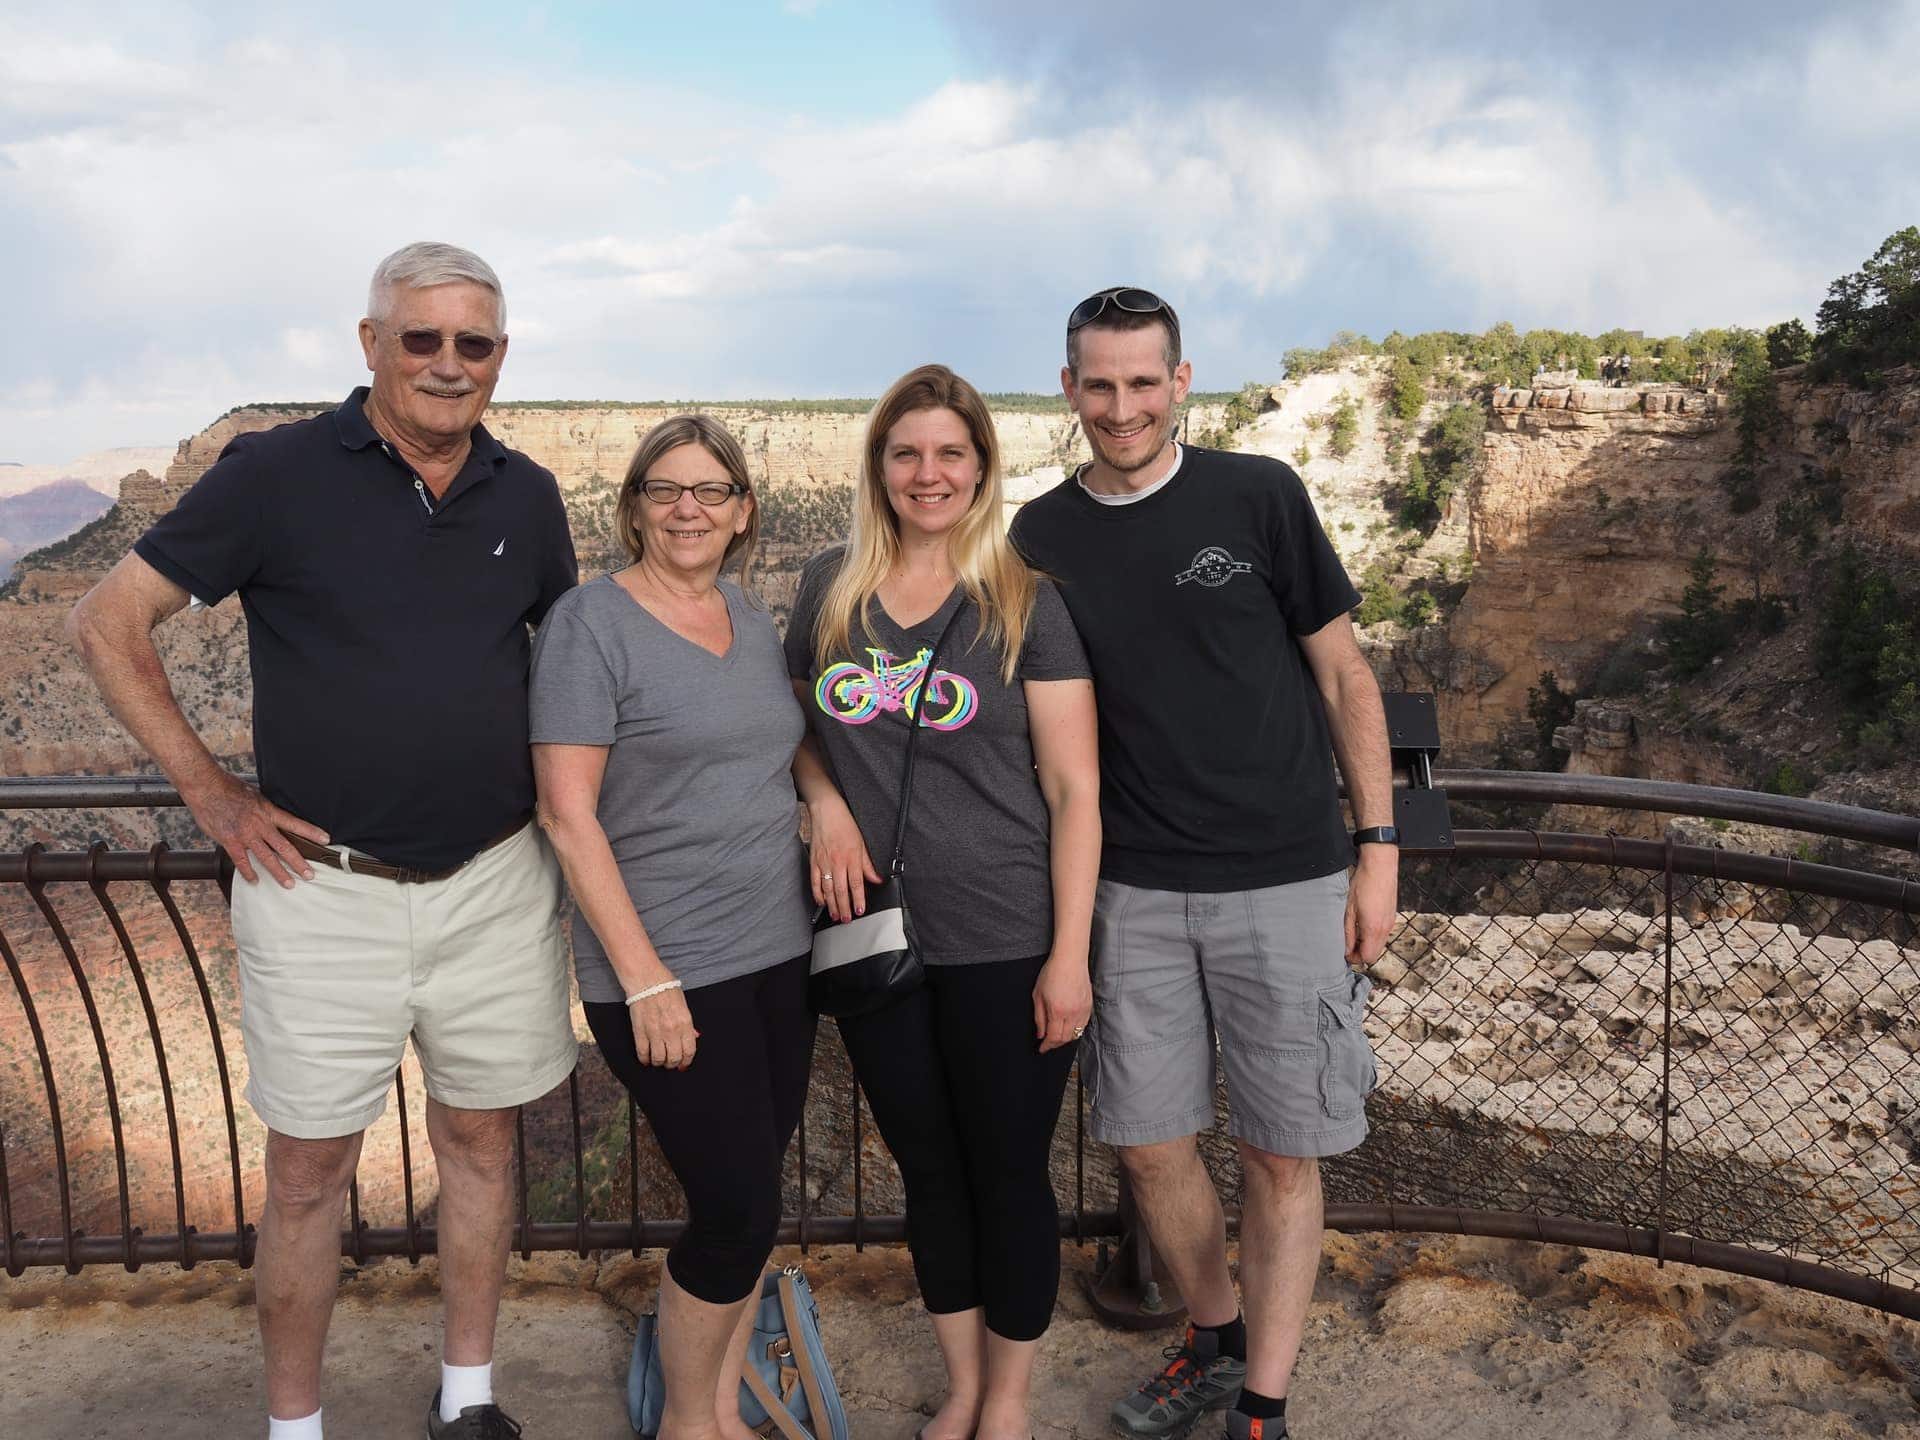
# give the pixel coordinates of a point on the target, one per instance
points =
(663, 730)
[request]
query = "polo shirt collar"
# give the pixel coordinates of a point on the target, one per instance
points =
(356, 432)
(350, 421)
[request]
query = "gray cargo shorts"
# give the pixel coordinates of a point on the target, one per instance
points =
(1263, 970)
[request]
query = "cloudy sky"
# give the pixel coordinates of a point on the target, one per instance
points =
(806, 197)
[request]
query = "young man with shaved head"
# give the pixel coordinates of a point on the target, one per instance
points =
(1214, 611)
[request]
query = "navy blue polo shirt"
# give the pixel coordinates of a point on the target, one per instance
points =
(388, 630)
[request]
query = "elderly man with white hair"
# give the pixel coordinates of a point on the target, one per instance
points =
(390, 556)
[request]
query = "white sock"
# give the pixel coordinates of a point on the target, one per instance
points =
(307, 1427)
(461, 1386)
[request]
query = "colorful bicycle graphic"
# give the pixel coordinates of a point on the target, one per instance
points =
(853, 694)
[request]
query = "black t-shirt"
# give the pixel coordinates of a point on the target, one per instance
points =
(1216, 767)
(388, 631)
(978, 831)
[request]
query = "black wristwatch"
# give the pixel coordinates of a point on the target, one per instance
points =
(1377, 835)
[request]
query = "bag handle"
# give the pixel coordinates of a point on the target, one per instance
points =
(784, 1419)
(927, 679)
(802, 1352)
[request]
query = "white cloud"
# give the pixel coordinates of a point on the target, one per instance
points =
(222, 192)
(1859, 80)
(313, 349)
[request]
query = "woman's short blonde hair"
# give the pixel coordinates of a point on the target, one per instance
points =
(714, 438)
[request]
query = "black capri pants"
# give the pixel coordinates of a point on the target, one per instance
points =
(967, 1104)
(724, 1122)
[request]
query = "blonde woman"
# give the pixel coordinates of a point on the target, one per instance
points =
(966, 1074)
(664, 732)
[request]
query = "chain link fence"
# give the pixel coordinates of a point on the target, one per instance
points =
(1631, 1044)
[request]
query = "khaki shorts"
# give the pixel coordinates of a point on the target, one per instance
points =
(337, 972)
(1266, 971)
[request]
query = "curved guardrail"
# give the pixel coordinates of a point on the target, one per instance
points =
(1637, 1045)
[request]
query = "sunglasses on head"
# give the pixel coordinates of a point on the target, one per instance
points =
(1122, 297)
(428, 342)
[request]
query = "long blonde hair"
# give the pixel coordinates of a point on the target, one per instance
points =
(990, 571)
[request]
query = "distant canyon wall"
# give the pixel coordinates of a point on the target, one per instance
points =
(1591, 505)
(585, 443)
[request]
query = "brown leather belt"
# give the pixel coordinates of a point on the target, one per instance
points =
(356, 864)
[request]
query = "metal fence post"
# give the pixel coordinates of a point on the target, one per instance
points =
(1124, 1291)
(1666, 1051)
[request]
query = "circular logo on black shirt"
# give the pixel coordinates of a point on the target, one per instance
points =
(1212, 567)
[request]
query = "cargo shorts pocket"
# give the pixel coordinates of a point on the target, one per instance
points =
(1347, 1070)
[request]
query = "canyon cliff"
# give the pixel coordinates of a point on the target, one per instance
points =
(1575, 537)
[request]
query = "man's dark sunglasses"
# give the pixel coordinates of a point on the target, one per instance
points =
(428, 342)
(1121, 297)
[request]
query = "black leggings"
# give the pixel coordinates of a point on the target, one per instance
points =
(967, 1105)
(724, 1122)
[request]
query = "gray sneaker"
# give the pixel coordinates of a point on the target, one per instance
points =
(476, 1422)
(1195, 1379)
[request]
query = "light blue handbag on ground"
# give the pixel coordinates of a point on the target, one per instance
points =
(786, 1388)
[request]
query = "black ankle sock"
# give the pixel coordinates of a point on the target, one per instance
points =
(1261, 1407)
(1232, 1337)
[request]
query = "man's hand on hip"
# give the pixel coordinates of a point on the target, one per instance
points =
(249, 827)
(1373, 903)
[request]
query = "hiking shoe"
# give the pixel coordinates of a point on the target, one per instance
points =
(1245, 1427)
(1195, 1379)
(476, 1422)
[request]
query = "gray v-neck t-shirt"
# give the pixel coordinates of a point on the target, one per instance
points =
(698, 800)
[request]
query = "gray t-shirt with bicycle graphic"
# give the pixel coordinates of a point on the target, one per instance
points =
(977, 831)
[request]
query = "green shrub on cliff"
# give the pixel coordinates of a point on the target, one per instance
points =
(1343, 427)
(1867, 646)
(1406, 390)
(1344, 346)
(1704, 627)
(1450, 461)
(1757, 420)
(1788, 343)
(1870, 319)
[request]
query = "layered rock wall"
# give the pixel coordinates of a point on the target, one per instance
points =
(1581, 526)
(1592, 502)
(589, 443)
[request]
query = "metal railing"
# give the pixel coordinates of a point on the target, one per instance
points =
(1625, 1044)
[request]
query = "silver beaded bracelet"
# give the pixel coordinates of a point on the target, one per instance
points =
(652, 990)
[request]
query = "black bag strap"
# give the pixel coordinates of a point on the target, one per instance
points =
(913, 732)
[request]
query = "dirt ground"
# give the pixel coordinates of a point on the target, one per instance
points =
(1409, 1337)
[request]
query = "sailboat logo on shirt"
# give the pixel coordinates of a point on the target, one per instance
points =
(1213, 567)
(853, 694)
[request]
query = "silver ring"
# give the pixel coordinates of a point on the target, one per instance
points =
(825, 878)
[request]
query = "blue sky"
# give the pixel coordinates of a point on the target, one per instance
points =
(796, 198)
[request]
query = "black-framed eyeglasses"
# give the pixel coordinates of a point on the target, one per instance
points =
(707, 492)
(467, 346)
(1129, 298)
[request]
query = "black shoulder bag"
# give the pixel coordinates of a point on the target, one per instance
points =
(873, 959)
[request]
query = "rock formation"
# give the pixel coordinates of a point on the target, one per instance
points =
(582, 444)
